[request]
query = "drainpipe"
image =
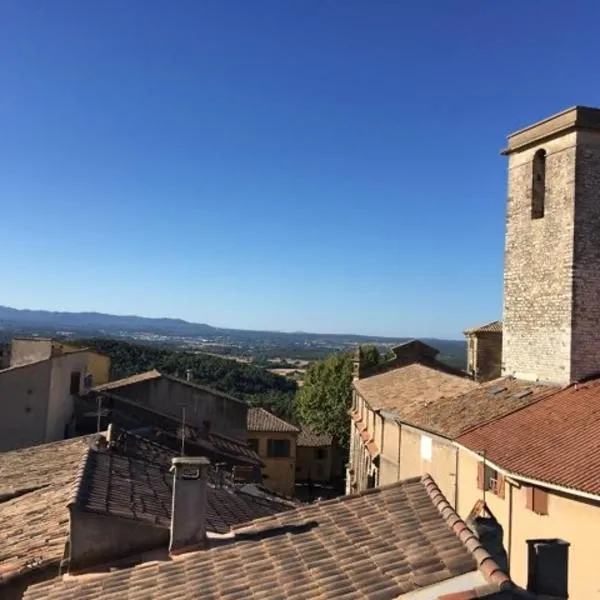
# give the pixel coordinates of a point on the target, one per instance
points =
(456, 479)
(510, 518)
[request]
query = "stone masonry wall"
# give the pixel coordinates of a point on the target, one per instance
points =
(538, 266)
(586, 274)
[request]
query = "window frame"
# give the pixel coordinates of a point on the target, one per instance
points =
(272, 445)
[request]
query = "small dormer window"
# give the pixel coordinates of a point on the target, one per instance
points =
(538, 187)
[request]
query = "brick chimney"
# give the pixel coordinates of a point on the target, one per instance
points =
(188, 515)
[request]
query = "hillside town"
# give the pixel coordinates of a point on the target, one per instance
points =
(459, 484)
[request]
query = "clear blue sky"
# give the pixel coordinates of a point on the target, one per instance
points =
(312, 165)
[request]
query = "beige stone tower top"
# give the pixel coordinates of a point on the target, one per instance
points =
(551, 322)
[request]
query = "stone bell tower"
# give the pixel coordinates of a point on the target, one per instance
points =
(551, 323)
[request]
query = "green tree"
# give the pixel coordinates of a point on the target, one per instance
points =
(326, 396)
(371, 356)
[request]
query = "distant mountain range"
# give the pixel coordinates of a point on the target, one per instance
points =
(94, 323)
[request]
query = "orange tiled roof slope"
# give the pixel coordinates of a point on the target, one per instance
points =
(492, 327)
(378, 544)
(35, 522)
(452, 416)
(260, 419)
(409, 389)
(308, 438)
(555, 440)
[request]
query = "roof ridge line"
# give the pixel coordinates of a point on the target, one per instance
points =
(485, 563)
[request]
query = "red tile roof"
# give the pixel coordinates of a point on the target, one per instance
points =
(35, 522)
(260, 419)
(554, 440)
(309, 438)
(378, 544)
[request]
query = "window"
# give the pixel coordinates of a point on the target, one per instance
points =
(537, 500)
(75, 382)
(253, 443)
(426, 448)
(321, 453)
(489, 480)
(278, 448)
(538, 185)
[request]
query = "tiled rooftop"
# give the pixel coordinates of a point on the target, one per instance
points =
(129, 487)
(35, 523)
(260, 419)
(137, 378)
(411, 389)
(492, 327)
(308, 438)
(555, 440)
(38, 483)
(166, 429)
(451, 416)
(376, 545)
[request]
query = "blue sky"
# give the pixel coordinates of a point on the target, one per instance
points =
(311, 165)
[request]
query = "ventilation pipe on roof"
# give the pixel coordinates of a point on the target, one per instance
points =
(189, 508)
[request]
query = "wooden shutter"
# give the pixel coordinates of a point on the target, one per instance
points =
(480, 475)
(500, 485)
(540, 501)
(529, 498)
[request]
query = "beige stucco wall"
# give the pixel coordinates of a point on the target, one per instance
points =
(98, 365)
(226, 416)
(440, 464)
(389, 467)
(60, 400)
(308, 465)
(25, 350)
(279, 473)
(24, 405)
(572, 519)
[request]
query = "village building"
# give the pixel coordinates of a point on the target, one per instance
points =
(484, 351)
(191, 403)
(274, 440)
(521, 439)
(410, 386)
(37, 399)
(538, 469)
(26, 350)
(314, 457)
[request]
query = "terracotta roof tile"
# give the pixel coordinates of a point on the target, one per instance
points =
(452, 416)
(554, 440)
(492, 327)
(412, 390)
(307, 438)
(377, 544)
(117, 483)
(260, 419)
(35, 523)
(133, 379)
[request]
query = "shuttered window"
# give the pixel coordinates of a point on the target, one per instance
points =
(537, 500)
(490, 480)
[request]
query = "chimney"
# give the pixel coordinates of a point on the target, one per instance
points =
(548, 567)
(188, 514)
(188, 375)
